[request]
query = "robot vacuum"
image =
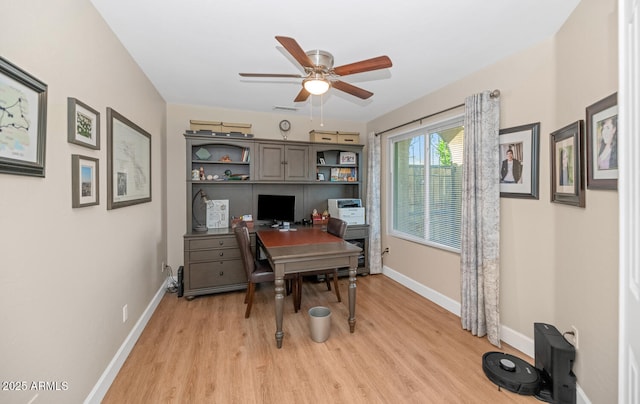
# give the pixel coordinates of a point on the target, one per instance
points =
(511, 372)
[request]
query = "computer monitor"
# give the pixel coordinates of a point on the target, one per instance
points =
(277, 208)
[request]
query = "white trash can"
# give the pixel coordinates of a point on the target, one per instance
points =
(319, 323)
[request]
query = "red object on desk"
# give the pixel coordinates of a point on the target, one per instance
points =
(276, 238)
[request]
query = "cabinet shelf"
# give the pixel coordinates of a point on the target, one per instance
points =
(209, 182)
(337, 165)
(237, 163)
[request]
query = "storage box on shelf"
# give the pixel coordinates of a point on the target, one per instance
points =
(213, 126)
(319, 136)
(219, 128)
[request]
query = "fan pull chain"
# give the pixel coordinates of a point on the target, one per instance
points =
(321, 111)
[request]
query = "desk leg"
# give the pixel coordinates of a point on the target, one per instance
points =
(352, 295)
(279, 306)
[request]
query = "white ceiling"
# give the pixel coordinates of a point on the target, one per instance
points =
(193, 50)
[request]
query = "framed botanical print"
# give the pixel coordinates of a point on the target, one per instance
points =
(83, 124)
(602, 144)
(567, 165)
(519, 155)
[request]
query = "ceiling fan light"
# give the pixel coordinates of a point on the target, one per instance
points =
(316, 85)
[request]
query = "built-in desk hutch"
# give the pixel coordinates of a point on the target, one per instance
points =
(240, 169)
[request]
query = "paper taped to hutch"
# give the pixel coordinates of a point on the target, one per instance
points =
(218, 214)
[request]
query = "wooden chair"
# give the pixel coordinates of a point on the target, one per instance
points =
(257, 271)
(337, 227)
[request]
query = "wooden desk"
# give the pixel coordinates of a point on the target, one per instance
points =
(307, 249)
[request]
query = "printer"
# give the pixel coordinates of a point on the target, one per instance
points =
(349, 210)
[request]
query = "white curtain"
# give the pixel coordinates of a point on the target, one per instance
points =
(372, 206)
(480, 244)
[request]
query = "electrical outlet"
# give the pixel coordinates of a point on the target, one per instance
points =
(162, 267)
(575, 336)
(125, 313)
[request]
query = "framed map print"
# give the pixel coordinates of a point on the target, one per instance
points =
(23, 115)
(129, 162)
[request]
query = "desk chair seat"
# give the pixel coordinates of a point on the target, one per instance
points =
(257, 272)
(337, 227)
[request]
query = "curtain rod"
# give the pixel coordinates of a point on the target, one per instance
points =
(493, 94)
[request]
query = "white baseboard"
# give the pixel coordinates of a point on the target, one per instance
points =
(109, 375)
(436, 297)
(517, 340)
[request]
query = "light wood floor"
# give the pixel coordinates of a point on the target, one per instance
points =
(405, 349)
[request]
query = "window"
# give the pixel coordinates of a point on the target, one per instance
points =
(426, 176)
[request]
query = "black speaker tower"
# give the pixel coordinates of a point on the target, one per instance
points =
(180, 281)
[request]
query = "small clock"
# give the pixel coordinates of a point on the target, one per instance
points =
(285, 125)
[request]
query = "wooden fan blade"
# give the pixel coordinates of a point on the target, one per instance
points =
(295, 50)
(351, 89)
(302, 95)
(380, 62)
(297, 76)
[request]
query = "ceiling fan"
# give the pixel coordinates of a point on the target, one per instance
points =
(320, 74)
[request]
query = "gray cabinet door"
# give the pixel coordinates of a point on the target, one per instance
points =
(271, 161)
(297, 163)
(283, 162)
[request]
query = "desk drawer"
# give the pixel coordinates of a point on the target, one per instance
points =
(216, 273)
(217, 242)
(214, 254)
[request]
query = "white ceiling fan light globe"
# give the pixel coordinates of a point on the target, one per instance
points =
(316, 86)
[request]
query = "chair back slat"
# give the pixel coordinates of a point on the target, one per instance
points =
(244, 243)
(337, 227)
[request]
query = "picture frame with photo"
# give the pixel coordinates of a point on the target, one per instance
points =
(85, 180)
(83, 124)
(567, 165)
(602, 143)
(24, 126)
(347, 158)
(128, 162)
(519, 166)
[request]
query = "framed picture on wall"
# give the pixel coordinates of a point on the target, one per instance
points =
(83, 124)
(85, 190)
(567, 165)
(519, 166)
(23, 121)
(128, 161)
(602, 144)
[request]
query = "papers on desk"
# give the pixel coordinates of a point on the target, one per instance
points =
(218, 214)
